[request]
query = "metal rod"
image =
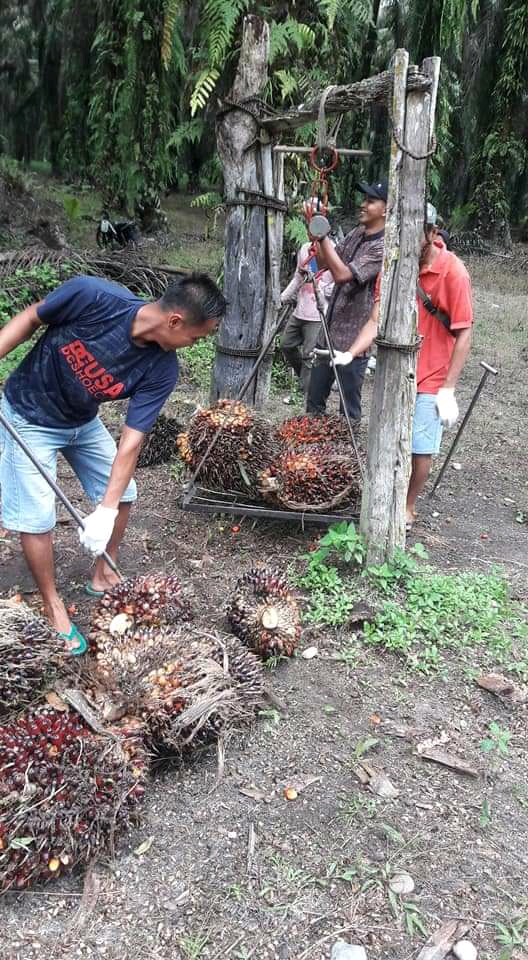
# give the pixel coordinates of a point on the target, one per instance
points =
(56, 489)
(199, 504)
(320, 307)
(189, 486)
(452, 448)
(286, 148)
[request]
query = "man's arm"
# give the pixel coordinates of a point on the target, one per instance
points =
(123, 466)
(367, 334)
(98, 526)
(459, 356)
(19, 329)
(339, 270)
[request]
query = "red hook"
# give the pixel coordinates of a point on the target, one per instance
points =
(315, 153)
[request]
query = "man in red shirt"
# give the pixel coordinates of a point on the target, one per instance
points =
(445, 318)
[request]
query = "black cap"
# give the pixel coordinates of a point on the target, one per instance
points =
(378, 190)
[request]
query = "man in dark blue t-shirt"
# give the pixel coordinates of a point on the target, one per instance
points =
(101, 343)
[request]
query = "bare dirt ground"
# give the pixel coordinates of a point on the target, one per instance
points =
(229, 874)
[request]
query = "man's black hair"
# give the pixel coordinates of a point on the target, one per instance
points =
(197, 295)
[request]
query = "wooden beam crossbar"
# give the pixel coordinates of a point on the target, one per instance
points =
(341, 99)
(346, 152)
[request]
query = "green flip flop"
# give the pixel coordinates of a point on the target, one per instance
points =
(93, 593)
(75, 634)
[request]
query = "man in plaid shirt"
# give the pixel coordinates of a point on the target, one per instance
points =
(354, 264)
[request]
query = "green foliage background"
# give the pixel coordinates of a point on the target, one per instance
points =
(123, 93)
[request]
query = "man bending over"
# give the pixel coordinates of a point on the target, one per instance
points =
(101, 343)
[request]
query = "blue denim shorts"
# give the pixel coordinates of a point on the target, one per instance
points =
(28, 502)
(427, 426)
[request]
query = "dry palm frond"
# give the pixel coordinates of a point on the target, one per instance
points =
(133, 272)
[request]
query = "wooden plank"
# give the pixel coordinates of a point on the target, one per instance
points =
(245, 236)
(273, 179)
(343, 151)
(354, 96)
(390, 428)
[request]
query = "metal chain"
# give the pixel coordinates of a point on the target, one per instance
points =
(401, 146)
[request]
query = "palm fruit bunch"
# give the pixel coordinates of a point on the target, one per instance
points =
(31, 656)
(64, 793)
(301, 430)
(147, 600)
(186, 687)
(160, 443)
(245, 446)
(264, 614)
(313, 477)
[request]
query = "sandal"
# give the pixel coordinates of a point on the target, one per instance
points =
(75, 636)
(92, 592)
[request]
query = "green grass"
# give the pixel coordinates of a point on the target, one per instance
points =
(422, 615)
(21, 289)
(197, 361)
(465, 612)
(15, 357)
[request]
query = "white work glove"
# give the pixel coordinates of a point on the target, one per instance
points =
(98, 527)
(447, 406)
(341, 357)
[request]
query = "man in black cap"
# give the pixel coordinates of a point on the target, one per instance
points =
(354, 264)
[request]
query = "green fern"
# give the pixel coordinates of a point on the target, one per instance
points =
(360, 11)
(207, 201)
(191, 131)
(290, 33)
(172, 9)
(295, 231)
(203, 88)
(288, 83)
(330, 9)
(220, 20)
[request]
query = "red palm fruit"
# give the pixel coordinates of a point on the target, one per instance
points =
(305, 429)
(58, 810)
(245, 446)
(150, 599)
(314, 476)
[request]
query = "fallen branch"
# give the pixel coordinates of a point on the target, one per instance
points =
(441, 942)
(437, 755)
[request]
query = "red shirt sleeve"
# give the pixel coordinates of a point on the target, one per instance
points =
(458, 298)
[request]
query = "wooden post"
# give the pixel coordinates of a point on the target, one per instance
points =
(253, 233)
(390, 427)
